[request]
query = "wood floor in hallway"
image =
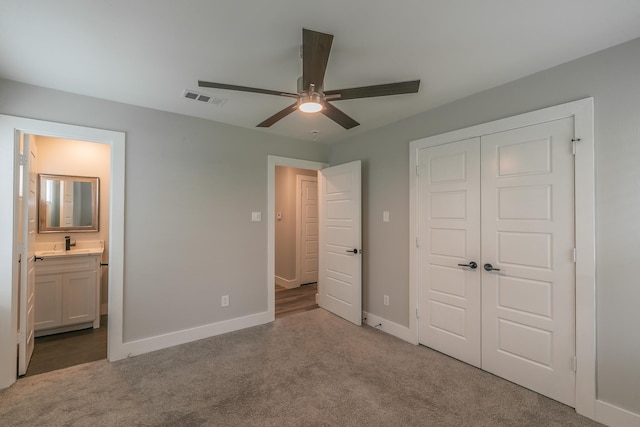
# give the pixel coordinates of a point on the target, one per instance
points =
(296, 300)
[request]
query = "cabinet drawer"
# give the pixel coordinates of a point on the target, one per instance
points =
(66, 264)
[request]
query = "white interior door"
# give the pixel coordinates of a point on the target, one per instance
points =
(449, 218)
(528, 306)
(27, 264)
(66, 204)
(308, 260)
(340, 237)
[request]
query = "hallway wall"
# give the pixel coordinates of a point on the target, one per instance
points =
(285, 228)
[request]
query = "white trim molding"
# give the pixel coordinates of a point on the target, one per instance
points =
(582, 113)
(614, 416)
(287, 283)
(395, 329)
(159, 342)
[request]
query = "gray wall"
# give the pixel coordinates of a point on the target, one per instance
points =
(612, 77)
(191, 185)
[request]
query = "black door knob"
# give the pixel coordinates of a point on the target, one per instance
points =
(472, 265)
(489, 267)
(353, 251)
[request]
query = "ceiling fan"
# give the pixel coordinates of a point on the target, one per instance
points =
(311, 96)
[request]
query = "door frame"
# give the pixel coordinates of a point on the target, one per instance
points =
(299, 225)
(9, 126)
(272, 162)
(582, 113)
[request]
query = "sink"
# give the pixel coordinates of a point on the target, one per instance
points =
(47, 253)
(56, 249)
(72, 252)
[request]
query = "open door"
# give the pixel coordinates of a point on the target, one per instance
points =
(26, 317)
(340, 241)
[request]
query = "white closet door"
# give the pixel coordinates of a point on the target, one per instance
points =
(449, 224)
(528, 306)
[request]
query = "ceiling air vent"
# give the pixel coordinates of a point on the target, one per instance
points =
(196, 96)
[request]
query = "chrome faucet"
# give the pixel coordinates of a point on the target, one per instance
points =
(67, 243)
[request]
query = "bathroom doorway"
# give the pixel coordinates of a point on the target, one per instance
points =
(57, 346)
(11, 127)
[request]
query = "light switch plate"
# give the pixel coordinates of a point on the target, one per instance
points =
(385, 216)
(256, 216)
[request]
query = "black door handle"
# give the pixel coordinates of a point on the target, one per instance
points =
(353, 251)
(472, 265)
(489, 267)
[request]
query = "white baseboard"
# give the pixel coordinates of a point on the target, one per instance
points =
(289, 284)
(146, 345)
(389, 327)
(614, 416)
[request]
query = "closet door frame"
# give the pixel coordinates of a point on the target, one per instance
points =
(582, 113)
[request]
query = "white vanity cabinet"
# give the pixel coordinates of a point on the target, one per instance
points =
(67, 292)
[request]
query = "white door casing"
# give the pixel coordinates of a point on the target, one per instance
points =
(26, 309)
(449, 221)
(307, 226)
(10, 127)
(528, 306)
(340, 238)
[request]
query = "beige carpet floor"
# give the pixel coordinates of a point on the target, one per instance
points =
(308, 369)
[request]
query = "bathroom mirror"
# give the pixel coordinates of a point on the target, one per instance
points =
(67, 203)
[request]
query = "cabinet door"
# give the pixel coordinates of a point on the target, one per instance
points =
(48, 313)
(78, 297)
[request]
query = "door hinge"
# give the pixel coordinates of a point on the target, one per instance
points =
(575, 364)
(417, 313)
(22, 159)
(417, 170)
(20, 336)
(417, 243)
(573, 145)
(575, 255)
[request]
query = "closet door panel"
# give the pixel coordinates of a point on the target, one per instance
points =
(449, 227)
(528, 305)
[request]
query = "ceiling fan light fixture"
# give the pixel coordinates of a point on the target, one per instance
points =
(311, 103)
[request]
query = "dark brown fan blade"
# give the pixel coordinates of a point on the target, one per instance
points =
(278, 116)
(202, 83)
(315, 56)
(338, 116)
(377, 90)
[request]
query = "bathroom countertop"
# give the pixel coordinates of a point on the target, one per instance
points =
(48, 250)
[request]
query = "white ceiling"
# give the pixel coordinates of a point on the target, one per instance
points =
(146, 52)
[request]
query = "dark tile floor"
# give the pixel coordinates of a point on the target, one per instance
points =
(71, 348)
